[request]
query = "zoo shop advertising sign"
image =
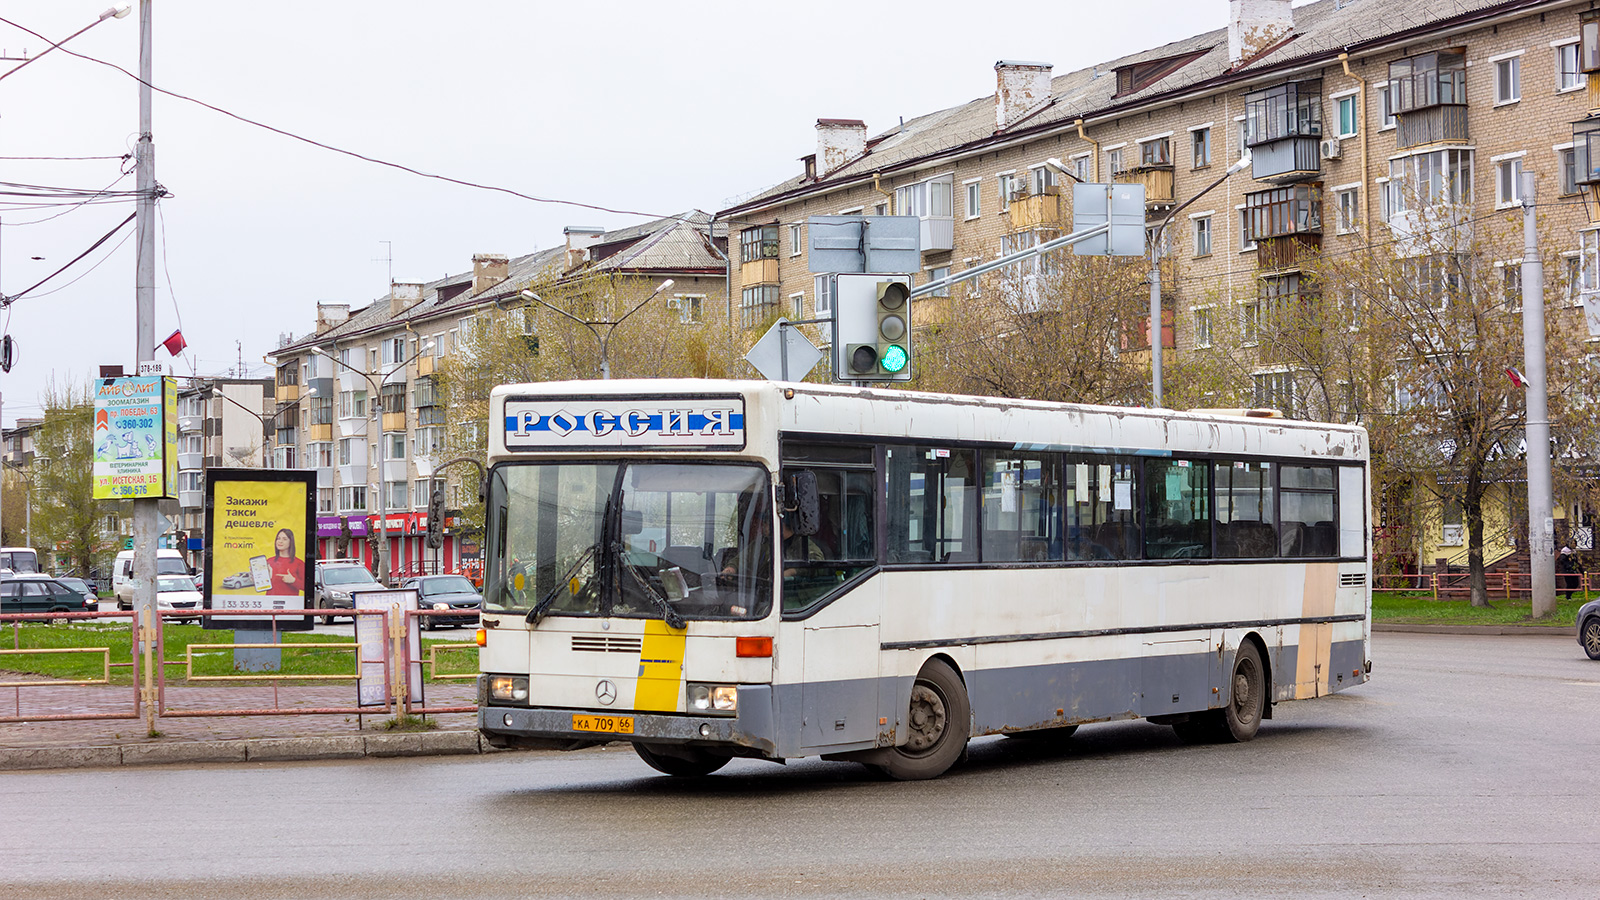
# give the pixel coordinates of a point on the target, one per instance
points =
(260, 544)
(135, 438)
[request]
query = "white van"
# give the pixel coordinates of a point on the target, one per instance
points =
(20, 560)
(168, 562)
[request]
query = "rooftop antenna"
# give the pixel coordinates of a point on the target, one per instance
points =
(388, 257)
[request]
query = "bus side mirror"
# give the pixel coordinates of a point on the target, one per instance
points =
(806, 512)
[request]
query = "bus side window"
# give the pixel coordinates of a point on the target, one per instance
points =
(933, 505)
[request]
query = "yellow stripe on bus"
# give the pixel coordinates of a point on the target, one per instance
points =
(660, 668)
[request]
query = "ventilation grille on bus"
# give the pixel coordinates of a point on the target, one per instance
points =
(602, 643)
(1352, 579)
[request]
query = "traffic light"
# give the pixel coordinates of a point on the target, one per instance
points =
(435, 537)
(874, 328)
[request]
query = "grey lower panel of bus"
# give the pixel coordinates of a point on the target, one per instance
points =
(842, 716)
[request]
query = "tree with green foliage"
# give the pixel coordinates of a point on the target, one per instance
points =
(66, 517)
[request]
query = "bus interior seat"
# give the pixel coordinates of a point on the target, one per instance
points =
(1322, 539)
(1291, 539)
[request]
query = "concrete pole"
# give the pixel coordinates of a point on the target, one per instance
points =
(146, 510)
(1155, 318)
(1541, 516)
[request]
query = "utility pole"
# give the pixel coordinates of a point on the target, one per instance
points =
(1541, 513)
(146, 511)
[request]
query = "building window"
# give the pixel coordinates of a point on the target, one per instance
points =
(1511, 283)
(1568, 76)
(353, 498)
(1114, 161)
(1293, 209)
(1507, 79)
(926, 199)
(939, 274)
(1202, 326)
(325, 500)
(1200, 143)
(1508, 182)
(1156, 152)
(797, 244)
(1007, 183)
(974, 197)
(1349, 115)
(973, 285)
(1429, 179)
(1247, 242)
(1567, 170)
(1202, 236)
(1349, 210)
(758, 243)
(690, 307)
(1250, 322)
(1275, 390)
(825, 286)
(1385, 107)
(1080, 166)
(1043, 179)
(756, 303)
(321, 454)
(797, 305)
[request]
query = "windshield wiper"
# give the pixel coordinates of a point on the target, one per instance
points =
(659, 601)
(537, 613)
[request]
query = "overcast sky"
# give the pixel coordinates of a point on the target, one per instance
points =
(647, 106)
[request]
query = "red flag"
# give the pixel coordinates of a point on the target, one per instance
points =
(1516, 378)
(175, 343)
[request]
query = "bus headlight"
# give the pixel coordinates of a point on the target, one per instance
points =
(713, 699)
(508, 688)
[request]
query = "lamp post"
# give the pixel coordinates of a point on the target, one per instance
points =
(374, 404)
(605, 339)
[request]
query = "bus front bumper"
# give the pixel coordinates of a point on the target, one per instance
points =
(748, 734)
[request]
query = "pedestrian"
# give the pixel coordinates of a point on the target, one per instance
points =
(1566, 572)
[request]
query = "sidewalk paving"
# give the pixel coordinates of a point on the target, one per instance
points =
(56, 744)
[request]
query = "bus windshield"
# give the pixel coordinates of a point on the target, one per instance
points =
(654, 540)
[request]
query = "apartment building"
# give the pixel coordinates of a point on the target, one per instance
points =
(358, 400)
(1366, 121)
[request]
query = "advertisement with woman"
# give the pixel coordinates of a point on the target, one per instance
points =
(259, 532)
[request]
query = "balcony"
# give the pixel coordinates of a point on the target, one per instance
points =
(1429, 97)
(396, 470)
(395, 421)
(426, 365)
(1283, 129)
(1159, 196)
(759, 271)
(938, 233)
(191, 461)
(1037, 211)
(1285, 224)
(288, 393)
(1430, 126)
(191, 424)
(1286, 252)
(191, 499)
(322, 433)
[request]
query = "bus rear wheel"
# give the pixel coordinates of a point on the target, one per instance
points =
(1247, 703)
(682, 761)
(937, 727)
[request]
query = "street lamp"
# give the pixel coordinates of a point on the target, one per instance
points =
(605, 340)
(115, 12)
(374, 403)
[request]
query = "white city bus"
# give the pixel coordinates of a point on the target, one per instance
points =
(711, 569)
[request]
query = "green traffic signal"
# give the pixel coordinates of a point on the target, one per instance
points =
(894, 359)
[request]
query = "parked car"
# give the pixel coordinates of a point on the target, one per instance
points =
(37, 595)
(81, 586)
(337, 580)
(177, 592)
(1589, 628)
(168, 562)
(446, 593)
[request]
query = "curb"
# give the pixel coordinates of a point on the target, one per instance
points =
(1562, 631)
(428, 743)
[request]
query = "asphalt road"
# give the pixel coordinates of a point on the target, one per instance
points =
(1463, 769)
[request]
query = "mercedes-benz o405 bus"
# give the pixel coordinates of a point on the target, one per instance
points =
(719, 569)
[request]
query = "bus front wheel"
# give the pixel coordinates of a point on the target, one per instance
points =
(682, 761)
(937, 727)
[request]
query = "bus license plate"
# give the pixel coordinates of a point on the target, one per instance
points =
(603, 724)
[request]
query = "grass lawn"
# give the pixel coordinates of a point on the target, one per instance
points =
(208, 661)
(1419, 608)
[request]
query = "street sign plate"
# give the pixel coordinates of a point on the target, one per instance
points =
(1127, 218)
(783, 353)
(864, 244)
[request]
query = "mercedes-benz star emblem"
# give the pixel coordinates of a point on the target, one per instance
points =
(605, 692)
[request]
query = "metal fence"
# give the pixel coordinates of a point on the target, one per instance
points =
(1455, 585)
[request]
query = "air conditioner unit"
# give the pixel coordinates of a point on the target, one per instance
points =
(1330, 148)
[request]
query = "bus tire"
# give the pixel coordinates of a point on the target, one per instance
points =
(683, 762)
(937, 727)
(1240, 719)
(1247, 696)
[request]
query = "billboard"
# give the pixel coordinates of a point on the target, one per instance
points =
(135, 438)
(261, 548)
